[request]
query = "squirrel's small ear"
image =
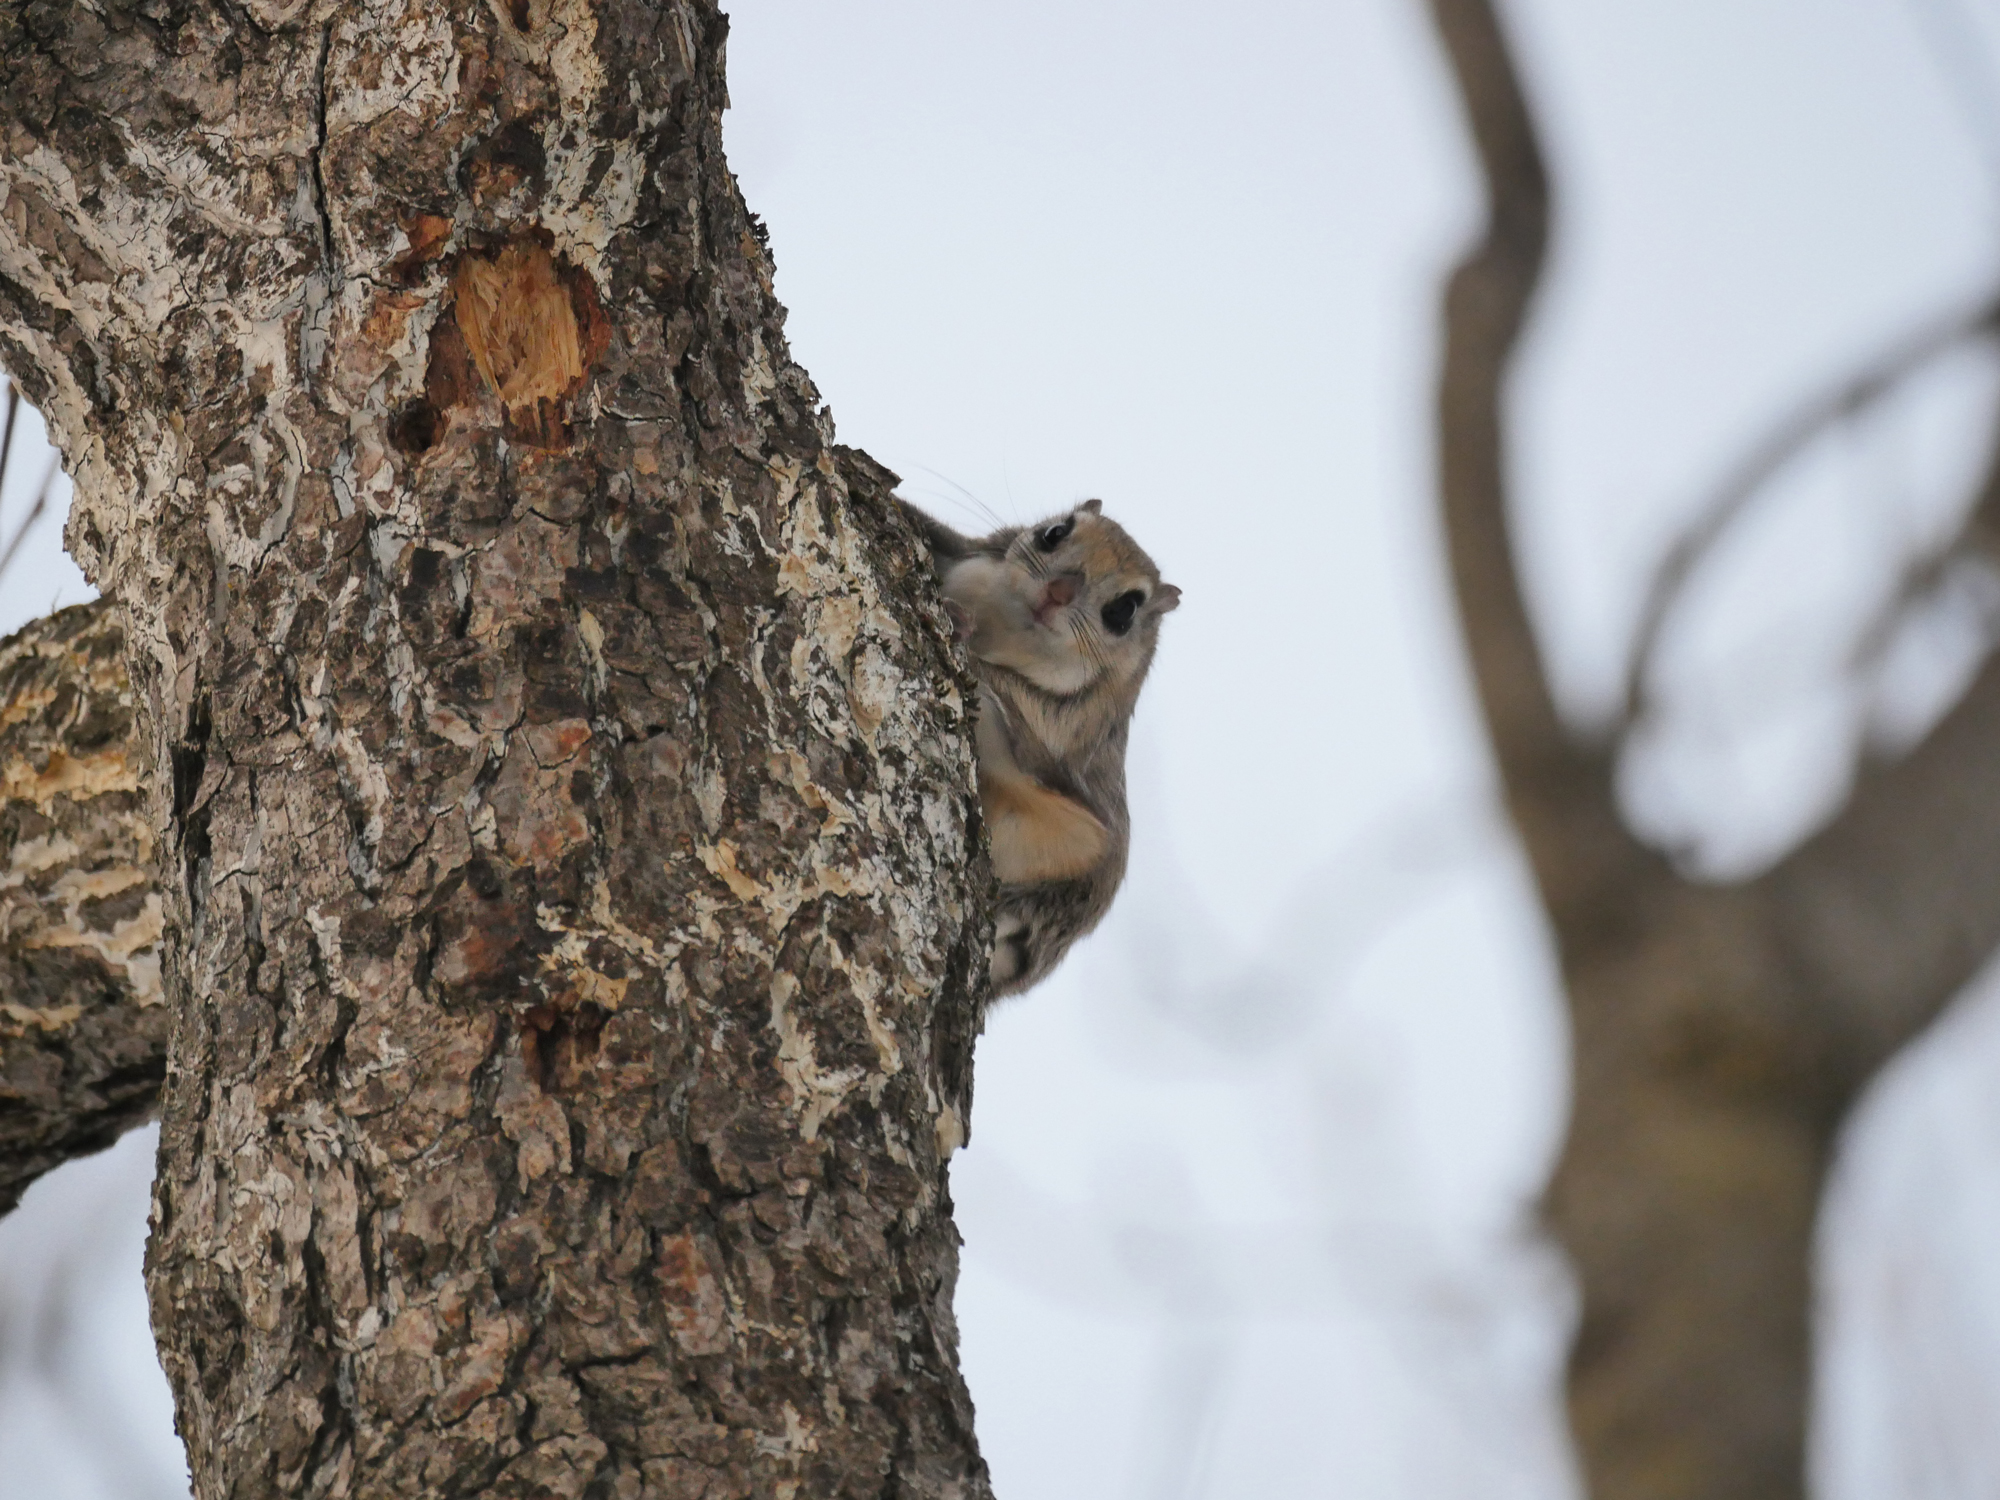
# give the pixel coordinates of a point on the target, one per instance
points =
(1093, 507)
(1166, 597)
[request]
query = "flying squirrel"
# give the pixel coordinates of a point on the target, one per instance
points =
(1060, 620)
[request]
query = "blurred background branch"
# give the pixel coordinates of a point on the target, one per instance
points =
(1751, 480)
(1721, 1031)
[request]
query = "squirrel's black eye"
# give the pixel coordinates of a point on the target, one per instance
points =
(1119, 613)
(1051, 537)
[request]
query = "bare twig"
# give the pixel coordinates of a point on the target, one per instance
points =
(34, 514)
(1930, 572)
(1895, 904)
(1751, 478)
(1559, 789)
(1954, 44)
(7, 432)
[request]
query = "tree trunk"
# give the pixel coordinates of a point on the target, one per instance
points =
(1720, 1032)
(574, 924)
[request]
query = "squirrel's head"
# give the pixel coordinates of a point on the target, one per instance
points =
(1072, 604)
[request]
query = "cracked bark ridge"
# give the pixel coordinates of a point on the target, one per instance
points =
(575, 912)
(1720, 1032)
(83, 1030)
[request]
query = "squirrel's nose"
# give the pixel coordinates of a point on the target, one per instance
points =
(1057, 592)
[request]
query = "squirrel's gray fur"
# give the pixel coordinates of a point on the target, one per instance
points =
(1038, 609)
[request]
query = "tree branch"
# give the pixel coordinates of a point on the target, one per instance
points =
(83, 1030)
(1891, 909)
(1752, 476)
(1558, 790)
(1886, 913)
(1717, 1032)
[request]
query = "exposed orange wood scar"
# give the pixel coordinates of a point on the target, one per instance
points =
(532, 329)
(514, 312)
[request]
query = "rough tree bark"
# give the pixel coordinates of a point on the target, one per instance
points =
(83, 1032)
(573, 912)
(1720, 1031)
